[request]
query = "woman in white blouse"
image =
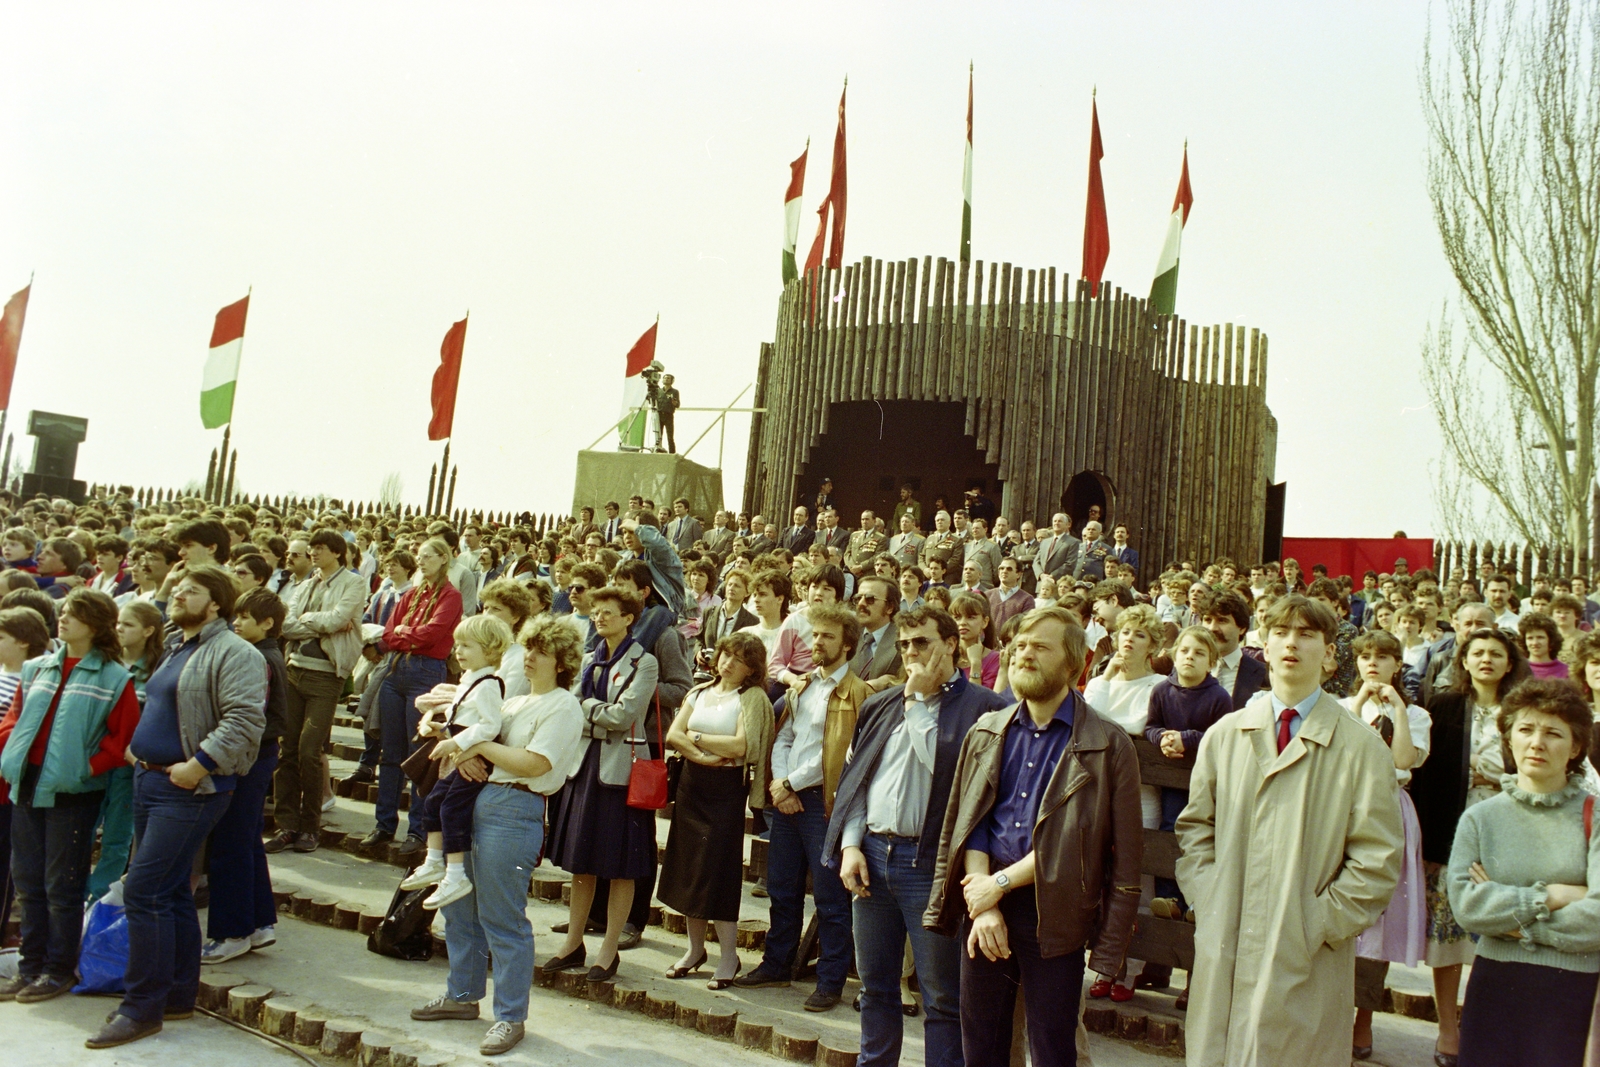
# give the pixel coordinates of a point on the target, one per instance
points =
(1122, 695)
(540, 745)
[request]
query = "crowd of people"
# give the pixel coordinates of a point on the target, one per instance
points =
(934, 718)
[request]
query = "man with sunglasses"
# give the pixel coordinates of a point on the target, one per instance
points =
(884, 837)
(877, 660)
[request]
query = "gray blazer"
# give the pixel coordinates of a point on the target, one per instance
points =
(222, 701)
(1062, 558)
(632, 689)
(885, 657)
(683, 532)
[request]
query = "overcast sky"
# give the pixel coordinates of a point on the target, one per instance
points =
(566, 172)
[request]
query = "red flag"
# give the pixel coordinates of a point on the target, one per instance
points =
(1096, 233)
(11, 340)
(643, 351)
(814, 258)
(836, 190)
(445, 380)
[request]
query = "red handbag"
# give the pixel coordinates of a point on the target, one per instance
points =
(647, 778)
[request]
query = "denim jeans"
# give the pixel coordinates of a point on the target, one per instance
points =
(1051, 991)
(50, 852)
(409, 678)
(492, 920)
(1173, 801)
(796, 846)
(169, 826)
(312, 697)
(236, 862)
(899, 895)
(116, 832)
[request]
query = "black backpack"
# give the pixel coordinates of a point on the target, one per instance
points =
(406, 932)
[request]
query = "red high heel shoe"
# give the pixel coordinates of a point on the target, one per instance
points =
(1121, 994)
(1101, 989)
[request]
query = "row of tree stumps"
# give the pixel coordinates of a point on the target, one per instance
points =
(441, 501)
(220, 472)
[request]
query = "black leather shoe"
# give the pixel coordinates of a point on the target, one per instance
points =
(376, 838)
(305, 842)
(44, 987)
(362, 774)
(598, 973)
(279, 841)
(821, 1001)
(630, 938)
(571, 960)
(121, 1030)
(761, 978)
(412, 845)
(14, 985)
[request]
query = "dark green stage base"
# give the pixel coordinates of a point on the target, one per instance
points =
(657, 476)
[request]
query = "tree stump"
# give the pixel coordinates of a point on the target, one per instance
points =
(572, 983)
(547, 884)
(752, 933)
(688, 1018)
(214, 988)
(368, 921)
(1162, 1032)
(300, 905)
(1131, 1025)
(322, 909)
(627, 998)
(718, 1021)
(341, 1036)
(244, 1004)
(660, 1007)
(791, 1042)
(375, 1048)
(278, 1015)
(752, 1033)
(308, 1026)
(1100, 1020)
(673, 922)
(347, 916)
(838, 1052)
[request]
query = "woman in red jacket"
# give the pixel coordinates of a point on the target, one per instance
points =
(418, 637)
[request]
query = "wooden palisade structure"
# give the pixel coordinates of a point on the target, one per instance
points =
(1055, 382)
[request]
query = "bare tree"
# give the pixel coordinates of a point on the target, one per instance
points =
(389, 490)
(1511, 97)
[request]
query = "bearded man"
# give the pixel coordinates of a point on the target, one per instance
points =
(1040, 853)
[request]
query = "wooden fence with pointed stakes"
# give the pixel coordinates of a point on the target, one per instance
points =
(1523, 563)
(1055, 382)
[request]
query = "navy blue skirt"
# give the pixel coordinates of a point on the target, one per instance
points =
(593, 831)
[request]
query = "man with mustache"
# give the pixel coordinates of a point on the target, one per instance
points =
(1040, 854)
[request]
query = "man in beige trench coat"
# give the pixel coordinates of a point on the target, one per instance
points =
(1291, 847)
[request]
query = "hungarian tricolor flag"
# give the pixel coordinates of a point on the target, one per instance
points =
(222, 365)
(635, 414)
(11, 340)
(1096, 233)
(966, 182)
(446, 377)
(791, 214)
(1164, 290)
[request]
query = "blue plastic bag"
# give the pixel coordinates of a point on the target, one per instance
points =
(103, 956)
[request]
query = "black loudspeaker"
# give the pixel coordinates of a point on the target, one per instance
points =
(55, 455)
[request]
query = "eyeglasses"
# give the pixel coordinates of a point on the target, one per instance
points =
(604, 614)
(912, 644)
(867, 600)
(576, 588)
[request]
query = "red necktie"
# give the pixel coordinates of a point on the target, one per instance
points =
(1283, 728)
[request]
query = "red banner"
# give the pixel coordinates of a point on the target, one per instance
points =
(445, 380)
(1357, 555)
(11, 340)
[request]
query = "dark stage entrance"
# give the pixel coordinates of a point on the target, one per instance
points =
(873, 447)
(1087, 490)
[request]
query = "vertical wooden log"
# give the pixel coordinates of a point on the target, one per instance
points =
(961, 332)
(986, 356)
(934, 331)
(920, 383)
(908, 335)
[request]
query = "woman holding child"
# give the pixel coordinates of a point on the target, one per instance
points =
(540, 743)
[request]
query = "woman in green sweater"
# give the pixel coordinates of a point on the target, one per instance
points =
(1525, 876)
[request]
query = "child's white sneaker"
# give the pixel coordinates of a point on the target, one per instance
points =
(450, 890)
(430, 873)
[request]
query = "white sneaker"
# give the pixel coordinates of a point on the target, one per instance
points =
(267, 935)
(330, 803)
(223, 951)
(427, 874)
(450, 890)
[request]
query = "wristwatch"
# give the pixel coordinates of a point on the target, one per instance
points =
(695, 737)
(1002, 881)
